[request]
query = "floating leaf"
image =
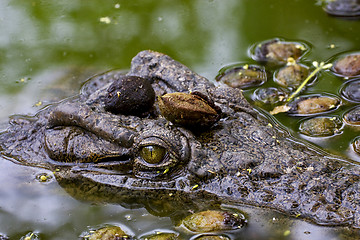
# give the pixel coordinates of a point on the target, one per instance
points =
(280, 109)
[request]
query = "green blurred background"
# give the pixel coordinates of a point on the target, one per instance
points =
(40, 41)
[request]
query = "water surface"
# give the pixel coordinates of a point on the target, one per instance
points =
(48, 48)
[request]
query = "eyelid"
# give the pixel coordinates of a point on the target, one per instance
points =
(151, 141)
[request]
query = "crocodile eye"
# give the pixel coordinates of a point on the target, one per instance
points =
(160, 153)
(152, 154)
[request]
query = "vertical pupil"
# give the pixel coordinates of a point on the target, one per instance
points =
(152, 154)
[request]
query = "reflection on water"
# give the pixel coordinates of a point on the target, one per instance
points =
(28, 205)
(48, 48)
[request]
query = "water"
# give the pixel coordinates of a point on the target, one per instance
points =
(48, 48)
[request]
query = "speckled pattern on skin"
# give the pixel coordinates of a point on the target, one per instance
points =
(242, 159)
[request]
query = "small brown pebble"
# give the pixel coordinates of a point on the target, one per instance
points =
(109, 233)
(353, 116)
(313, 104)
(348, 65)
(269, 95)
(278, 51)
(212, 220)
(162, 236)
(320, 126)
(292, 75)
(343, 8)
(351, 91)
(356, 145)
(243, 76)
(212, 237)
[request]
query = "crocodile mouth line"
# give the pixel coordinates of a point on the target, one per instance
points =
(120, 164)
(114, 164)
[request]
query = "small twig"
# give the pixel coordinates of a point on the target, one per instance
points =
(317, 69)
(285, 107)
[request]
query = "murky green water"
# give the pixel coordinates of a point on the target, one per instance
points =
(47, 48)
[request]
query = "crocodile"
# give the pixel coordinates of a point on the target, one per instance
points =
(243, 158)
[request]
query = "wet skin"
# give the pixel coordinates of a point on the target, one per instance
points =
(241, 159)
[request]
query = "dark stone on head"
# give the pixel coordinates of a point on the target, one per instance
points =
(130, 95)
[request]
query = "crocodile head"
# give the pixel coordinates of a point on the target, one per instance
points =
(131, 158)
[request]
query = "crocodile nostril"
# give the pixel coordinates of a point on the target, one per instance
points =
(125, 139)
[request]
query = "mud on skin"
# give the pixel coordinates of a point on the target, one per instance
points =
(240, 159)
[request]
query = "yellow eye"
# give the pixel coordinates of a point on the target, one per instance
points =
(152, 154)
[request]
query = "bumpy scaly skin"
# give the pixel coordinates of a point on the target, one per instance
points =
(242, 159)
